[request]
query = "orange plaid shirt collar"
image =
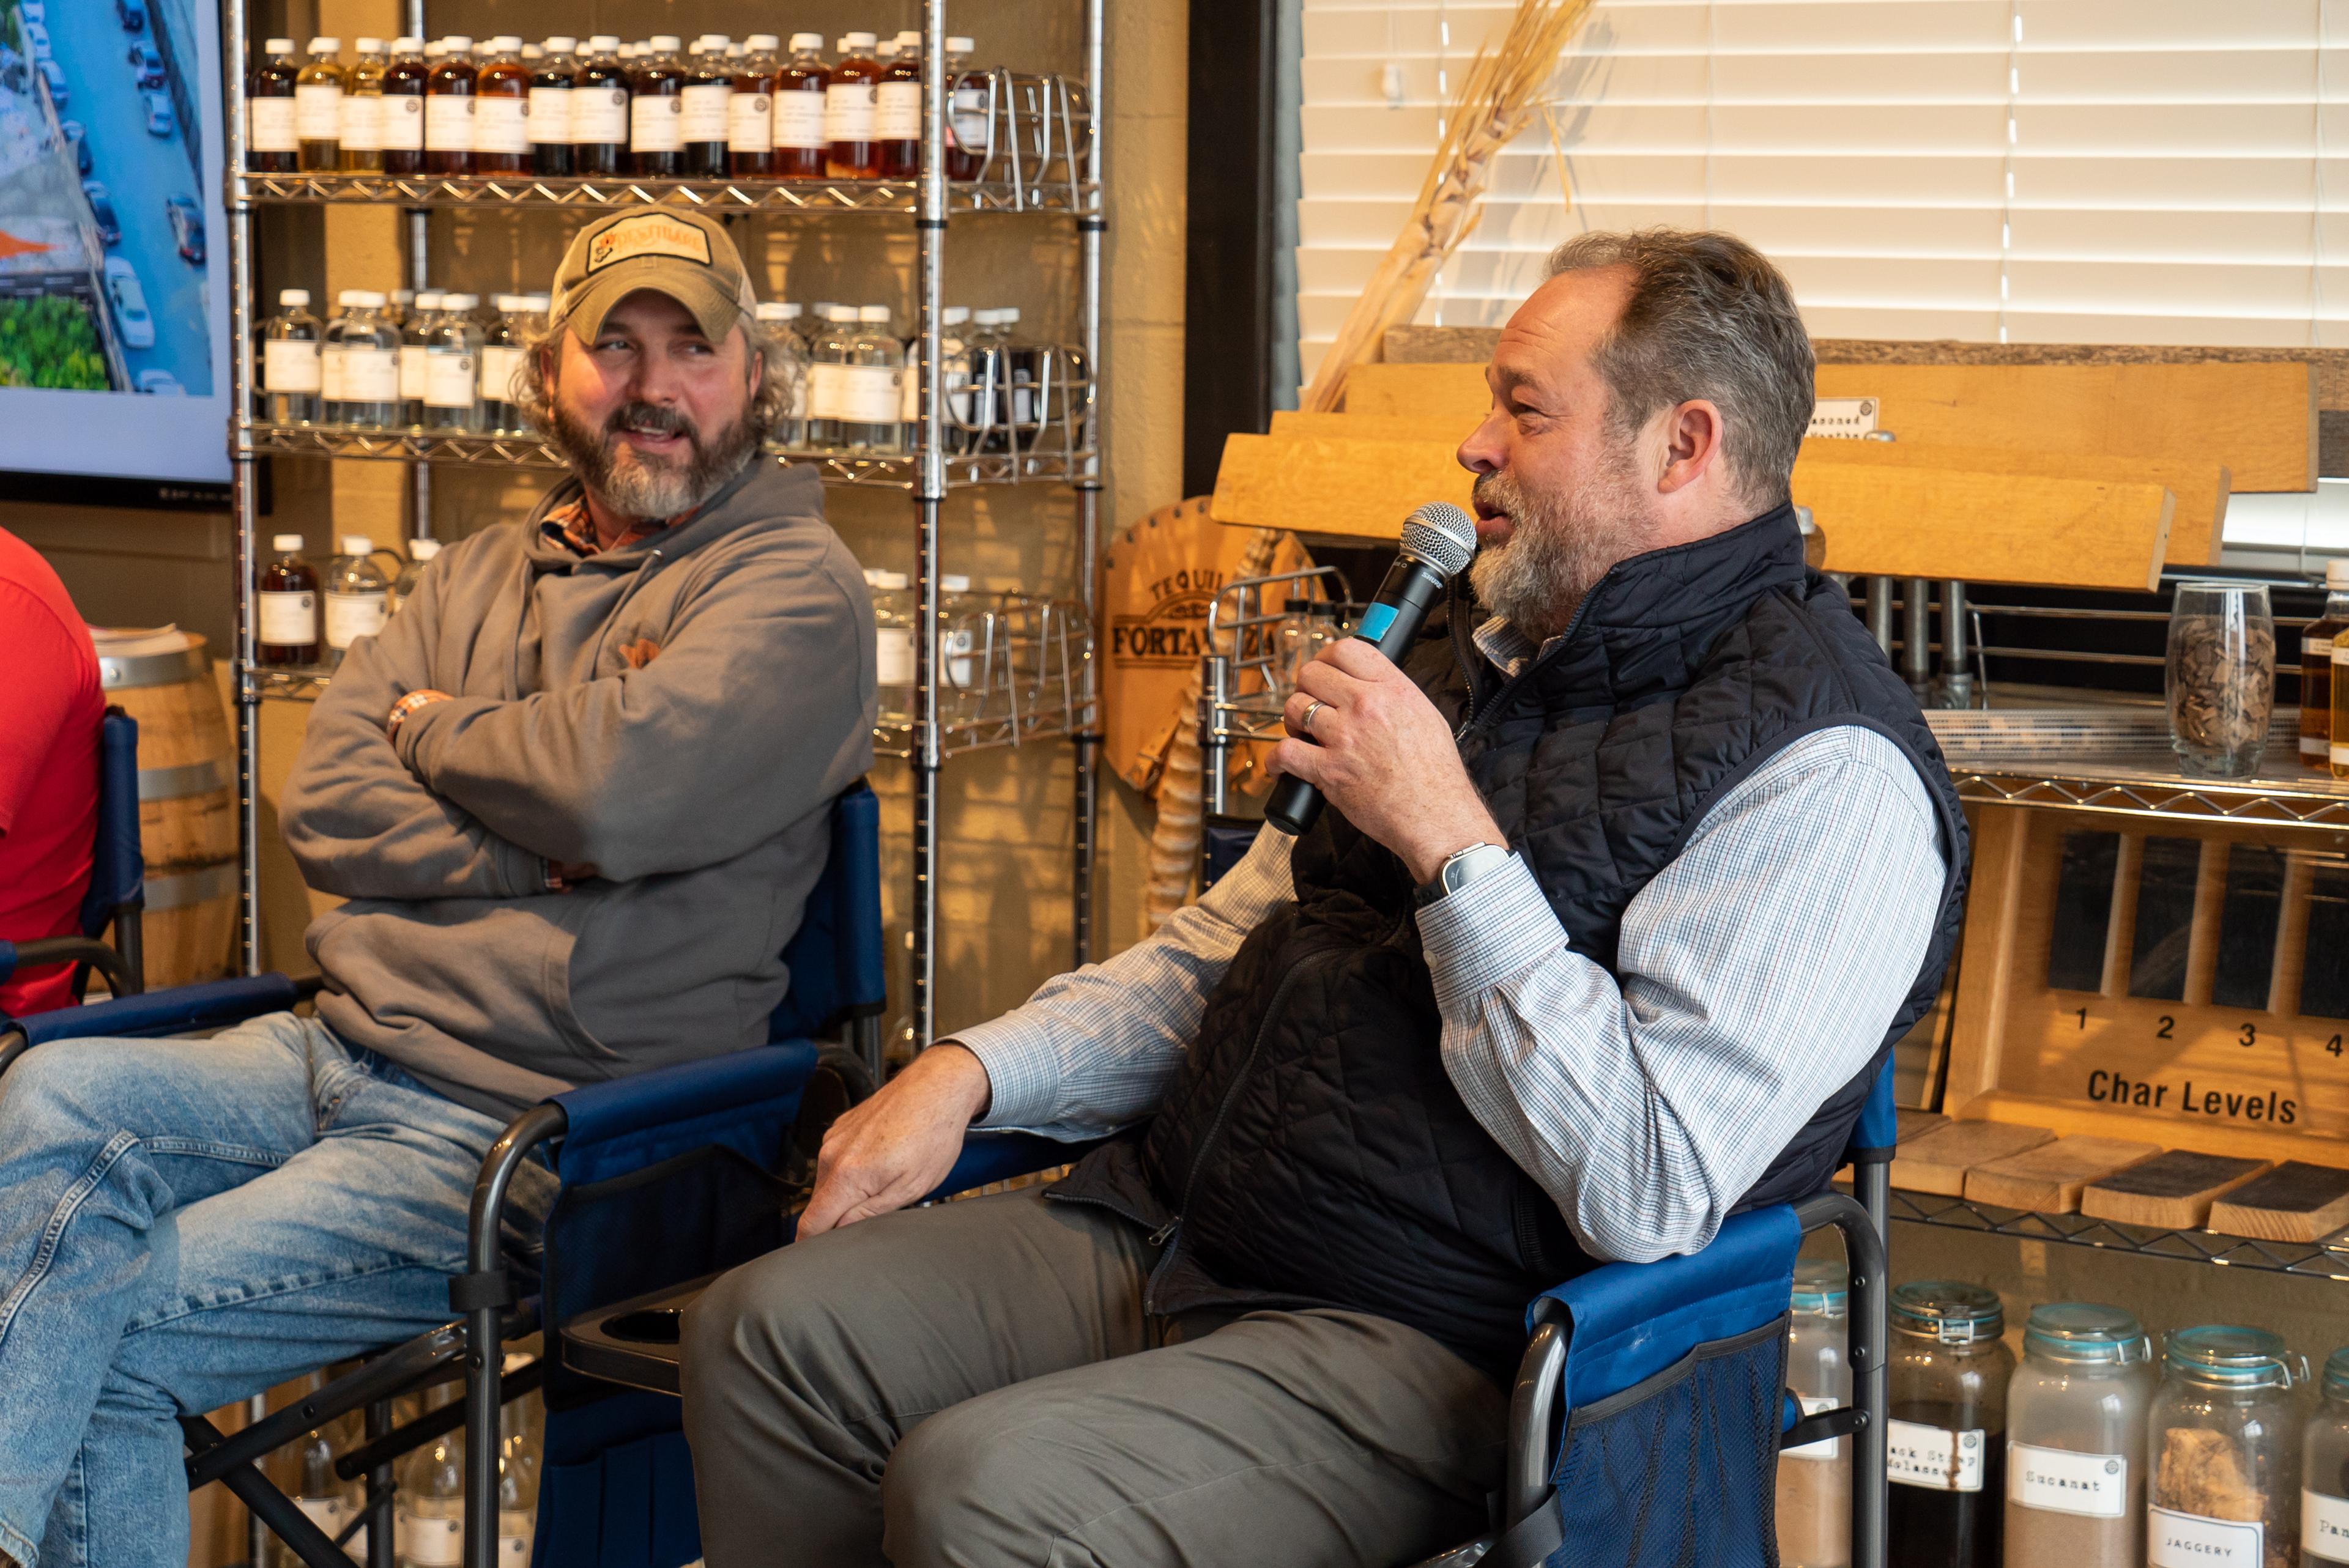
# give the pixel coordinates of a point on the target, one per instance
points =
(571, 527)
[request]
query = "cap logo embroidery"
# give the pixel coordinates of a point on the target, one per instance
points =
(646, 234)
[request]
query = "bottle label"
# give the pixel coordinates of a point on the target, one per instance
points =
(402, 123)
(1824, 1449)
(501, 125)
(798, 119)
(350, 617)
(894, 657)
(2314, 748)
(954, 652)
(1934, 1457)
(318, 111)
(515, 1529)
(290, 365)
(897, 111)
(289, 620)
(849, 108)
(430, 1542)
(2175, 1539)
(867, 394)
(370, 374)
(599, 116)
(269, 125)
(449, 123)
(909, 401)
(655, 124)
(448, 379)
(2313, 648)
(2324, 1526)
(823, 392)
(411, 371)
(749, 122)
(2340, 757)
(362, 122)
(966, 116)
(550, 114)
(2063, 1481)
(330, 373)
(703, 118)
(2341, 653)
(500, 365)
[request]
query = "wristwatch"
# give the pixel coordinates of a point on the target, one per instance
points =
(1459, 869)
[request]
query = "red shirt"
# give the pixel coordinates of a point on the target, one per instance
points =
(50, 710)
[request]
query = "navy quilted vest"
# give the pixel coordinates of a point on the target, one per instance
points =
(1312, 1147)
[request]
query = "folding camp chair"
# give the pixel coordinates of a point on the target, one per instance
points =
(118, 882)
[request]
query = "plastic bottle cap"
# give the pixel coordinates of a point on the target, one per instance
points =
(957, 315)
(370, 299)
(286, 543)
(735, 51)
(423, 549)
(762, 40)
(460, 300)
(533, 52)
(435, 49)
(811, 41)
(370, 45)
(296, 297)
(958, 45)
(770, 310)
(562, 43)
(955, 582)
(790, 312)
(876, 313)
(911, 38)
(429, 300)
(357, 544)
(505, 43)
(888, 51)
(406, 46)
(876, 578)
(325, 46)
(2336, 572)
(665, 43)
(278, 47)
(1008, 314)
(858, 41)
(403, 296)
(716, 40)
(348, 297)
(456, 43)
(603, 43)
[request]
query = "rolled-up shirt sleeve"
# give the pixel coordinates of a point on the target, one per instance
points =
(1758, 973)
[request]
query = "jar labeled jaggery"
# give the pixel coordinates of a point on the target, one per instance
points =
(2224, 1441)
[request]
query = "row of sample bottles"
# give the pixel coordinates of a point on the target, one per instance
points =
(307, 622)
(414, 361)
(1002, 657)
(722, 110)
(861, 392)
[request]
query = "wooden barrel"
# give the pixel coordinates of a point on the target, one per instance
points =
(187, 804)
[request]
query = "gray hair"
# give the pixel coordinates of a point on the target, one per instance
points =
(778, 384)
(1709, 317)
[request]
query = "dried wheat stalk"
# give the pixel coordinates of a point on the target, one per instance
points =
(1496, 100)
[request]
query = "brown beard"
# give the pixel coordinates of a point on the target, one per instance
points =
(1559, 544)
(635, 486)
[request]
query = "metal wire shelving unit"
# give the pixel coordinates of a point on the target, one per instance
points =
(1044, 156)
(2324, 1259)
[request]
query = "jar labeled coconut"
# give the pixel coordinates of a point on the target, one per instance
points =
(1946, 1446)
(2076, 1439)
(2224, 1440)
(1814, 1479)
(2324, 1471)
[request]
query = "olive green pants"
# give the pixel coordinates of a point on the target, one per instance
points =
(975, 1383)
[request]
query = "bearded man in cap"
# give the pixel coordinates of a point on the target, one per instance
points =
(574, 795)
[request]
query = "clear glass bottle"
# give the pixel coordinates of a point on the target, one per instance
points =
(402, 128)
(2220, 676)
(450, 92)
(2316, 642)
(750, 112)
(551, 92)
(356, 595)
(285, 623)
(599, 108)
(2075, 1471)
(453, 357)
(366, 367)
(318, 106)
(708, 97)
(430, 1517)
(518, 1462)
(272, 142)
(897, 111)
(2325, 1471)
(502, 109)
(893, 618)
(967, 649)
(871, 375)
(776, 318)
(361, 125)
(1947, 1439)
(292, 380)
(501, 355)
(1024, 361)
(2223, 1440)
(414, 338)
(966, 128)
(801, 94)
(1814, 1479)
(827, 361)
(656, 111)
(954, 382)
(420, 552)
(307, 1474)
(849, 108)
(987, 428)
(399, 303)
(330, 358)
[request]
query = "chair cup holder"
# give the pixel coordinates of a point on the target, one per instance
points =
(648, 1325)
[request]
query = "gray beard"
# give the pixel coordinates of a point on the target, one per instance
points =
(1559, 545)
(630, 485)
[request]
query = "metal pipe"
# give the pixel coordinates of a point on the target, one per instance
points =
(484, 1338)
(419, 267)
(380, 1484)
(1091, 225)
(1957, 672)
(1917, 637)
(1533, 1405)
(243, 499)
(1879, 612)
(1215, 748)
(1864, 1254)
(929, 498)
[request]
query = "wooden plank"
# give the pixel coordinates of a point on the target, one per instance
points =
(2065, 1116)
(2260, 420)
(2173, 1190)
(1988, 527)
(2200, 488)
(1915, 1124)
(1374, 427)
(1937, 1160)
(2050, 1178)
(2293, 1202)
(1363, 490)
(1448, 392)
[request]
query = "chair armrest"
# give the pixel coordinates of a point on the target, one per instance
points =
(171, 1012)
(673, 1098)
(990, 1157)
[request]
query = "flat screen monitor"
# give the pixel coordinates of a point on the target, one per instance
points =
(114, 319)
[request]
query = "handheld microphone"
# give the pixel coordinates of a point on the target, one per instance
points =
(1438, 540)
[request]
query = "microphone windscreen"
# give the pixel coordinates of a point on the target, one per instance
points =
(1441, 534)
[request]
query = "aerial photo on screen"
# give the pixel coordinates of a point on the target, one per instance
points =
(102, 245)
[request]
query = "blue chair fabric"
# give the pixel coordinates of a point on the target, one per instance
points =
(156, 1014)
(838, 967)
(118, 874)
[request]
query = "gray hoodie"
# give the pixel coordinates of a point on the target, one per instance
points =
(698, 785)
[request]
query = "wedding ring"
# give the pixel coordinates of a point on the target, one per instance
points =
(1304, 720)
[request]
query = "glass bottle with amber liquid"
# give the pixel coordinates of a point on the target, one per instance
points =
(708, 89)
(271, 146)
(2317, 727)
(502, 109)
(800, 149)
(965, 113)
(402, 123)
(850, 108)
(656, 111)
(286, 630)
(318, 106)
(448, 98)
(551, 94)
(599, 108)
(897, 111)
(750, 112)
(362, 109)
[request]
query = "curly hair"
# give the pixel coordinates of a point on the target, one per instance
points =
(778, 386)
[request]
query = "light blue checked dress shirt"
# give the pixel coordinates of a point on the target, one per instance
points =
(1758, 971)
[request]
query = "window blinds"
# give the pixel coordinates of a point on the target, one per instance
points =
(2023, 170)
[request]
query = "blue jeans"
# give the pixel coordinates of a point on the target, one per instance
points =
(187, 1222)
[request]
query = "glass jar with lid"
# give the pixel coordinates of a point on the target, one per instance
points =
(2324, 1471)
(2075, 1439)
(1947, 1441)
(1814, 1479)
(2223, 1438)
(893, 646)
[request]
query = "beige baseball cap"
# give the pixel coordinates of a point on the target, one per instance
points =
(684, 255)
